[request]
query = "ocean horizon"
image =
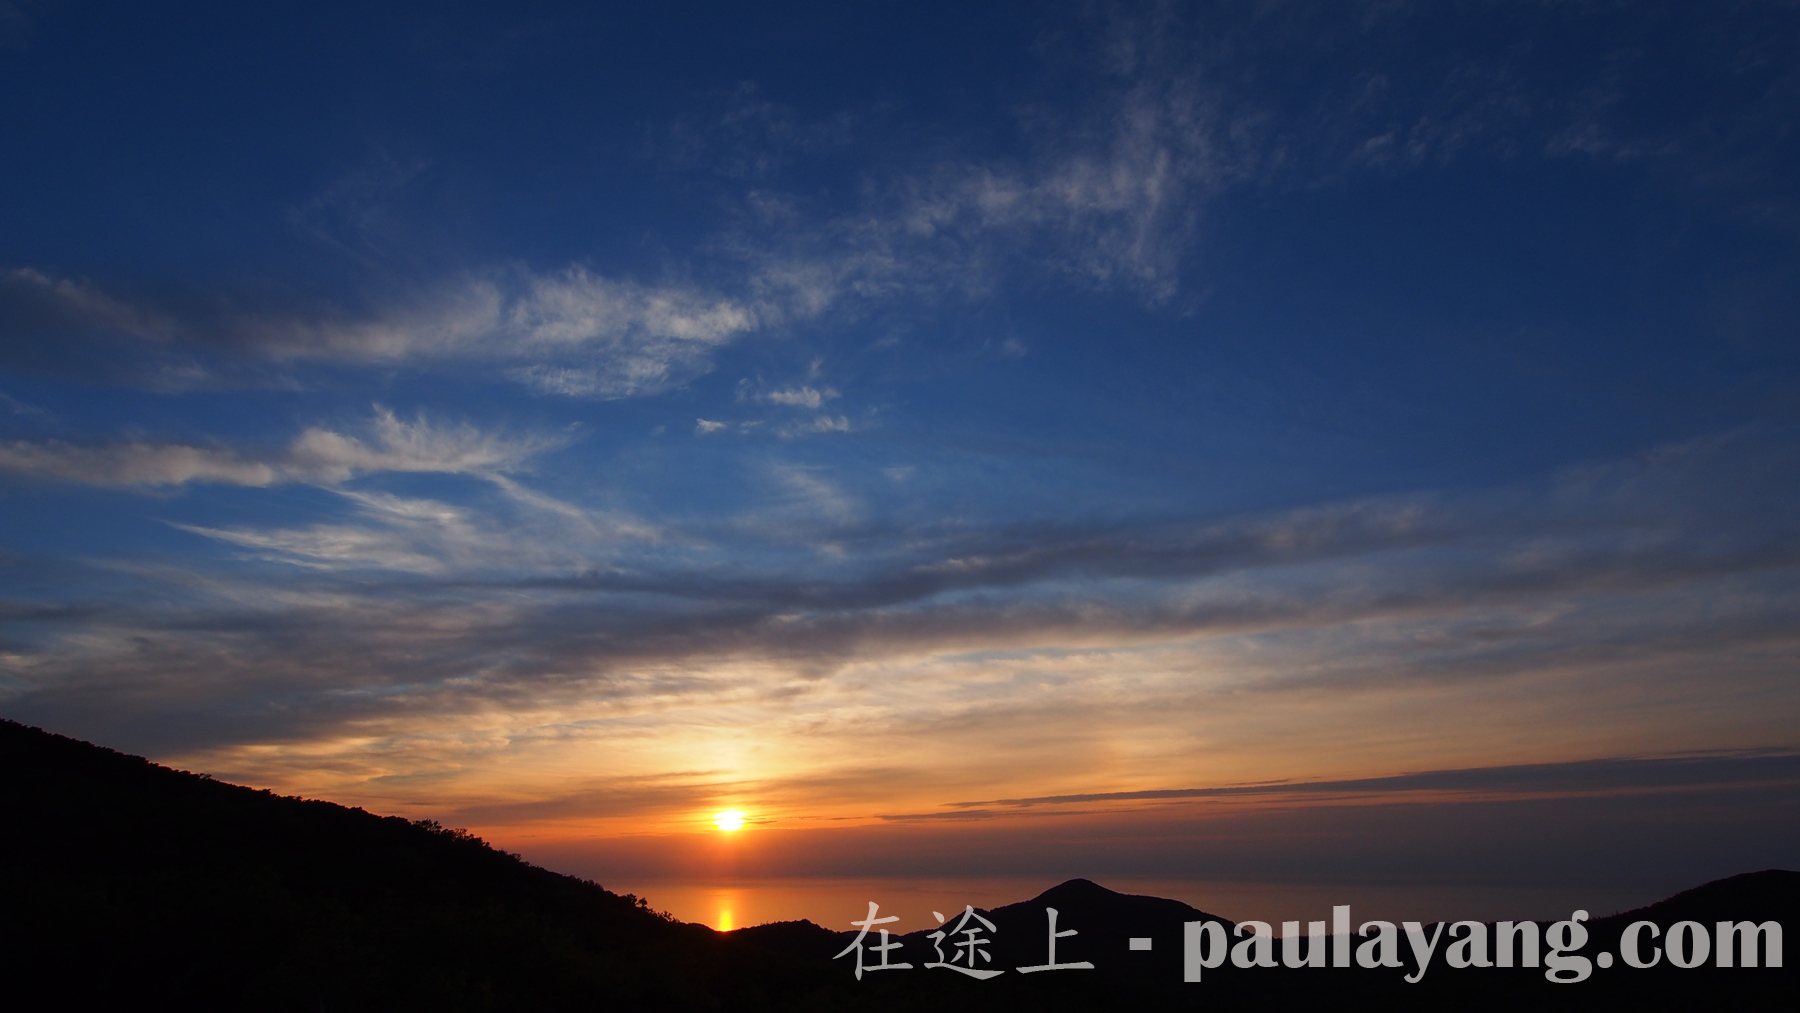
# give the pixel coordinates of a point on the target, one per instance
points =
(834, 903)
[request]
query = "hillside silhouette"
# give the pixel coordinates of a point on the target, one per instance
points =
(130, 885)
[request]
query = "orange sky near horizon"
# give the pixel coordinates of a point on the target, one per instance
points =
(812, 759)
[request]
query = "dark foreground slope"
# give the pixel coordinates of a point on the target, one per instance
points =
(125, 885)
(128, 885)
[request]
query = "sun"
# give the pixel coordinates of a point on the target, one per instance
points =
(729, 820)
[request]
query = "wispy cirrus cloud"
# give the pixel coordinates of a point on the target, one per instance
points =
(1110, 191)
(317, 455)
(526, 531)
(358, 546)
(18, 407)
(570, 332)
(33, 300)
(804, 396)
(818, 424)
(1389, 599)
(1115, 209)
(134, 464)
(1114, 205)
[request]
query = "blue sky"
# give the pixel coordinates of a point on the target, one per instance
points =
(573, 421)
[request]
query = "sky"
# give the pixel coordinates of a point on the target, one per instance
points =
(1343, 442)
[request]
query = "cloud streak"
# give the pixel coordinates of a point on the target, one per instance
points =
(1585, 776)
(570, 332)
(1068, 632)
(317, 455)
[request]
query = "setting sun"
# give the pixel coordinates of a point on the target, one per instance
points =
(729, 820)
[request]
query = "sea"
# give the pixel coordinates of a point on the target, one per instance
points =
(835, 903)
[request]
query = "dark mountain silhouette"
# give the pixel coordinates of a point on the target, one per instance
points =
(127, 885)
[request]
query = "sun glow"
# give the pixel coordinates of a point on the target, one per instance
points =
(729, 820)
